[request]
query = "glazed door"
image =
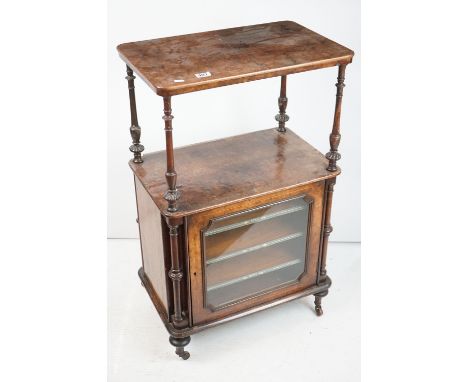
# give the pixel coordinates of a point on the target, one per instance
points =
(250, 254)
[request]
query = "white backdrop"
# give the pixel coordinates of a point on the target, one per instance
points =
(237, 109)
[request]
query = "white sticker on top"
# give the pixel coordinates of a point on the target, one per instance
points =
(203, 74)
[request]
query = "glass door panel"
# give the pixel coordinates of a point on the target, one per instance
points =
(255, 251)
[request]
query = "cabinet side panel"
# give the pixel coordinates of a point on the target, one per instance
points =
(151, 239)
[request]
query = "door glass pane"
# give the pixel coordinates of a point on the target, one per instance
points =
(255, 251)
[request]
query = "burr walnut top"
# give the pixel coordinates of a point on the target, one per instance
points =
(216, 173)
(188, 63)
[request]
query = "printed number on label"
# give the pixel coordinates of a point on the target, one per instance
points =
(203, 75)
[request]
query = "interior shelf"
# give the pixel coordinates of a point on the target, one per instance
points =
(248, 238)
(255, 249)
(244, 251)
(260, 283)
(255, 274)
(258, 219)
(254, 262)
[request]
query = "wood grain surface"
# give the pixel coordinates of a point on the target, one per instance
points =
(188, 63)
(233, 169)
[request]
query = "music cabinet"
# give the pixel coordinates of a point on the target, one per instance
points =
(243, 224)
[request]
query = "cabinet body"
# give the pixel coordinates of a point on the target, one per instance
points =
(236, 258)
(240, 241)
(243, 223)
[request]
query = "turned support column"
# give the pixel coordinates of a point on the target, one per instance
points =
(282, 117)
(176, 275)
(333, 155)
(135, 131)
(327, 228)
(172, 194)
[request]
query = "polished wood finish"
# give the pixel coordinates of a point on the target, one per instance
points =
(155, 263)
(135, 130)
(233, 169)
(197, 243)
(282, 117)
(327, 227)
(172, 194)
(176, 275)
(181, 333)
(333, 155)
(169, 65)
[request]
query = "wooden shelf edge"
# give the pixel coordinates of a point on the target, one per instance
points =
(151, 172)
(236, 80)
(182, 214)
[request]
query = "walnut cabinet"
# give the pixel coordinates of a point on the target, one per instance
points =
(232, 226)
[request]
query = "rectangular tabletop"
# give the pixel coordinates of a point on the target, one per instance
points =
(188, 63)
(211, 174)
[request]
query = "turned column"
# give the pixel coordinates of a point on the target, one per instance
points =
(282, 117)
(178, 319)
(327, 230)
(333, 155)
(135, 131)
(172, 194)
(176, 275)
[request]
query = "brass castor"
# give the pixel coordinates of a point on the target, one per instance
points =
(179, 344)
(318, 302)
(318, 310)
(183, 354)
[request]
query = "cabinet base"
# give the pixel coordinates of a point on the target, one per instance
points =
(181, 337)
(319, 290)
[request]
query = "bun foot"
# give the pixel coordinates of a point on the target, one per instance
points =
(179, 344)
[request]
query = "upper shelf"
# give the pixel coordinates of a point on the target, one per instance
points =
(188, 63)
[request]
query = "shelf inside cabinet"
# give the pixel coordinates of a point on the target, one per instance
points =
(254, 274)
(248, 237)
(266, 244)
(254, 263)
(255, 284)
(255, 245)
(260, 217)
